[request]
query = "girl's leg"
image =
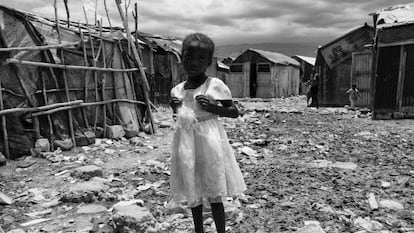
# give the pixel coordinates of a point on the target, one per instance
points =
(219, 217)
(198, 218)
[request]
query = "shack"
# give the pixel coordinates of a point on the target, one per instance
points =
(67, 82)
(342, 62)
(307, 65)
(394, 82)
(219, 70)
(264, 74)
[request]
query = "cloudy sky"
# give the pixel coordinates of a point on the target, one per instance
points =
(230, 21)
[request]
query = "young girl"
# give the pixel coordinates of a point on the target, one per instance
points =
(353, 93)
(203, 164)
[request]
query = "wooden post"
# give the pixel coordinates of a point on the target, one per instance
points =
(141, 68)
(49, 119)
(401, 78)
(85, 56)
(374, 66)
(104, 78)
(4, 124)
(95, 77)
(67, 12)
(107, 16)
(62, 58)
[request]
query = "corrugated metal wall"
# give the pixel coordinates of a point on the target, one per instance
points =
(408, 90)
(387, 79)
(361, 76)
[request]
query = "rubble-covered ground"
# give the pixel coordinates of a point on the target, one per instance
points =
(307, 170)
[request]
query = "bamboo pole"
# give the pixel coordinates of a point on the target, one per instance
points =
(95, 77)
(4, 124)
(67, 67)
(137, 58)
(49, 119)
(107, 16)
(87, 105)
(103, 79)
(67, 12)
(62, 58)
(41, 108)
(70, 89)
(37, 48)
(85, 57)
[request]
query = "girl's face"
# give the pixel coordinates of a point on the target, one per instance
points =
(196, 59)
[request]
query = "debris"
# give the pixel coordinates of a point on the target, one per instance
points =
(86, 192)
(17, 231)
(42, 145)
(87, 172)
(91, 209)
(115, 131)
(311, 227)
(373, 204)
(26, 163)
(35, 222)
(368, 224)
(5, 200)
(390, 204)
(385, 184)
(166, 124)
(39, 213)
(131, 218)
(136, 141)
(51, 203)
(344, 165)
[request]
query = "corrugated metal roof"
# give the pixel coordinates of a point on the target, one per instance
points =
(396, 15)
(276, 58)
(310, 60)
(222, 65)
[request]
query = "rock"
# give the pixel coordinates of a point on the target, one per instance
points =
(5, 200)
(312, 227)
(91, 209)
(51, 203)
(115, 131)
(344, 165)
(130, 202)
(248, 151)
(65, 144)
(373, 204)
(166, 124)
(385, 184)
(17, 231)
(85, 138)
(86, 192)
(131, 218)
(42, 145)
(390, 204)
(3, 160)
(367, 224)
(87, 172)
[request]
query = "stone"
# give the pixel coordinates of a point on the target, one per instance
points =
(312, 227)
(131, 218)
(390, 204)
(65, 144)
(87, 172)
(368, 224)
(5, 200)
(85, 138)
(35, 222)
(248, 151)
(42, 145)
(115, 131)
(344, 165)
(385, 184)
(91, 209)
(373, 204)
(17, 231)
(3, 160)
(86, 192)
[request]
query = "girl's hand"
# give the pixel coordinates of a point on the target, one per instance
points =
(205, 103)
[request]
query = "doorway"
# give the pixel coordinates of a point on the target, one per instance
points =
(253, 80)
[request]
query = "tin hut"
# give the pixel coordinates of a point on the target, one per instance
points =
(219, 70)
(394, 50)
(263, 74)
(307, 65)
(335, 62)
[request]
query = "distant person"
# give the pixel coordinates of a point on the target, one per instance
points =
(314, 91)
(203, 163)
(353, 94)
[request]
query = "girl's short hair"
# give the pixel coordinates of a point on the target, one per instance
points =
(201, 38)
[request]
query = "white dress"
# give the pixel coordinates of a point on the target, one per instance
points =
(203, 163)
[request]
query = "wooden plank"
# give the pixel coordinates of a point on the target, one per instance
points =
(67, 67)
